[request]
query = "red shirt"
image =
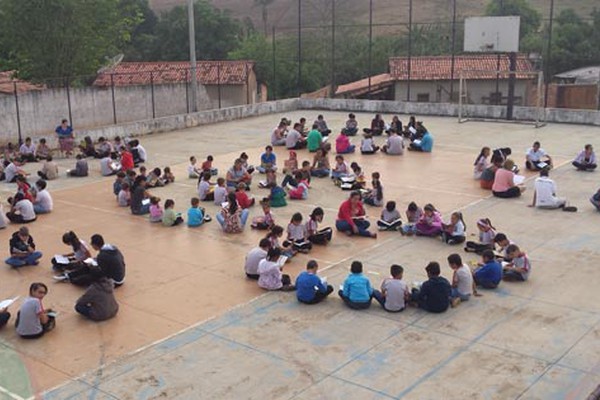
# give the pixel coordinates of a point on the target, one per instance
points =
(126, 161)
(345, 212)
(206, 165)
(243, 199)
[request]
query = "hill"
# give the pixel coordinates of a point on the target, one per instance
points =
(283, 13)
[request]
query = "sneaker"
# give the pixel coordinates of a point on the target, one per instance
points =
(455, 302)
(61, 278)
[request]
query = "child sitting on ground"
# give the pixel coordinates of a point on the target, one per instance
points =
(143, 172)
(454, 232)
(286, 247)
(81, 167)
(49, 170)
(118, 183)
(220, 192)
(243, 199)
(170, 217)
(595, 200)
(42, 151)
(193, 171)
(390, 218)
(270, 180)
(340, 168)
(394, 291)
(314, 235)
(195, 213)
(207, 166)
(266, 221)
(434, 294)
(374, 197)
(268, 160)
(291, 164)
(168, 176)
(360, 182)
(489, 274)
(300, 192)
(156, 212)
(413, 215)
(487, 232)
(343, 145)
(254, 257)
(205, 188)
(124, 197)
(269, 271)
(277, 197)
(519, 268)
(297, 234)
(310, 289)
(367, 145)
(462, 280)
(503, 243)
(154, 178)
(356, 290)
(430, 223)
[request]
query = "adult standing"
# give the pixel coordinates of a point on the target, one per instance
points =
(504, 182)
(351, 217)
(66, 138)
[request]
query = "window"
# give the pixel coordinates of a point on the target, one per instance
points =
(423, 97)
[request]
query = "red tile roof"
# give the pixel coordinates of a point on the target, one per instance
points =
(7, 84)
(429, 68)
(208, 73)
(362, 86)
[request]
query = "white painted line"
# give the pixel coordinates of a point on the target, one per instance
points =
(11, 394)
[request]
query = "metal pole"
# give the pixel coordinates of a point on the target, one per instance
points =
(18, 113)
(219, 83)
(274, 65)
(299, 90)
(112, 90)
(69, 101)
(152, 92)
(453, 50)
(547, 74)
(511, 85)
(498, 97)
(410, 9)
(370, 44)
(332, 48)
(598, 91)
(193, 64)
(187, 90)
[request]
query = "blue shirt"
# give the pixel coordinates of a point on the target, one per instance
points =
(490, 272)
(357, 288)
(268, 158)
(427, 142)
(307, 285)
(64, 132)
(195, 217)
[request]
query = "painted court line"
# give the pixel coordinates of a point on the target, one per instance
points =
(11, 394)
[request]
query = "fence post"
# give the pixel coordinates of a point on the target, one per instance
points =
(274, 65)
(152, 92)
(69, 101)
(187, 90)
(299, 83)
(219, 83)
(547, 76)
(18, 113)
(332, 48)
(370, 44)
(112, 90)
(247, 83)
(410, 15)
(453, 50)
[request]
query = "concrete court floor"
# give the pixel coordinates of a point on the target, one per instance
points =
(193, 327)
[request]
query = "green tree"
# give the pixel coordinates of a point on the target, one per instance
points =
(217, 33)
(143, 37)
(531, 19)
(62, 38)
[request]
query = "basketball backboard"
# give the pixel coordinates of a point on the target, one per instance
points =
(492, 34)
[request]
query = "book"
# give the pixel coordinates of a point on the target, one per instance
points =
(390, 223)
(542, 165)
(412, 129)
(145, 202)
(91, 261)
(417, 142)
(282, 260)
(262, 184)
(348, 179)
(8, 302)
(346, 186)
(60, 259)
(518, 179)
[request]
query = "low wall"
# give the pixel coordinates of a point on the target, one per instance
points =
(554, 115)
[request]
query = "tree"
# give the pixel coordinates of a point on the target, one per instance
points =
(217, 33)
(62, 38)
(531, 19)
(143, 37)
(264, 4)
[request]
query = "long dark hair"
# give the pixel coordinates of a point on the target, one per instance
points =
(481, 155)
(233, 204)
(71, 239)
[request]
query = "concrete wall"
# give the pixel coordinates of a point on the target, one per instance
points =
(41, 111)
(478, 91)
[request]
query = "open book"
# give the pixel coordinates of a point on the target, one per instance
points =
(60, 259)
(8, 302)
(518, 179)
(389, 223)
(282, 260)
(145, 202)
(348, 178)
(542, 165)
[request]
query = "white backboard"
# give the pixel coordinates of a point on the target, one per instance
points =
(492, 34)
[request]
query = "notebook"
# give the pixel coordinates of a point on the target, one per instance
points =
(60, 259)
(518, 179)
(8, 302)
(282, 260)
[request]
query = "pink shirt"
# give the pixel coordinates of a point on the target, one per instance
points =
(503, 180)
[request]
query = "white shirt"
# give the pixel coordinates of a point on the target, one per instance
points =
(535, 156)
(366, 144)
(395, 145)
(203, 189)
(10, 172)
(545, 192)
(292, 138)
(464, 283)
(25, 208)
(255, 256)
(105, 166)
(24, 149)
(44, 200)
(394, 294)
(296, 232)
(141, 152)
